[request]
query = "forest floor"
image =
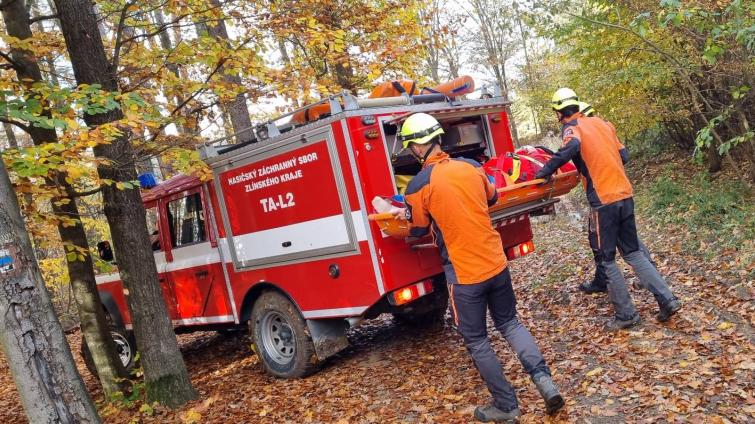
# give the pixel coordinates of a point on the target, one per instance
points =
(696, 368)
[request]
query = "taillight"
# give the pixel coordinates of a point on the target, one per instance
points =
(520, 250)
(410, 293)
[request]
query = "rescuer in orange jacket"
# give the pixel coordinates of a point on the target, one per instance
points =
(592, 145)
(599, 283)
(450, 198)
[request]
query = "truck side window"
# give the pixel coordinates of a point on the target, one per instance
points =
(154, 236)
(186, 220)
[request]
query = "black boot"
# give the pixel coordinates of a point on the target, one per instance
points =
(620, 324)
(591, 287)
(489, 413)
(553, 399)
(668, 309)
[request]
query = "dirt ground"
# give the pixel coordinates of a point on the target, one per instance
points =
(698, 368)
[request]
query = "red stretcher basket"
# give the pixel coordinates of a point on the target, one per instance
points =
(508, 197)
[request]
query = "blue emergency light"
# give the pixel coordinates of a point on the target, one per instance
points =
(147, 180)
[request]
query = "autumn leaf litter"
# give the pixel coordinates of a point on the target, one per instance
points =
(697, 368)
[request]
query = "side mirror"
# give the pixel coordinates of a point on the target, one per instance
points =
(104, 251)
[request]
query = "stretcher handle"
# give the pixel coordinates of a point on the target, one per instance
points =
(382, 216)
(538, 181)
(520, 185)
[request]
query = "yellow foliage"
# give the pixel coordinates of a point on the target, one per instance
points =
(54, 272)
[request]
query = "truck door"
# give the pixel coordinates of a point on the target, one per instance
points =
(153, 226)
(194, 261)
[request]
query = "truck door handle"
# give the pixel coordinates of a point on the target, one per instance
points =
(286, 244)
(201, 274)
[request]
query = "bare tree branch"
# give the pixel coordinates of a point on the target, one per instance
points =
(6, 3)
(42, 18)
(119, 34)
(86, 193)
(10, 60)
(24, 127)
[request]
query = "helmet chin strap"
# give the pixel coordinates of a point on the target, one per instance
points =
(424, 157)
(430, 150)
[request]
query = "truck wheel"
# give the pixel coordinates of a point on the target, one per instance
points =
(428, 311)
(281, 337)
(125, 347)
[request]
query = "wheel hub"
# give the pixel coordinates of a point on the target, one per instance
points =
(278, 337)
(122, 347)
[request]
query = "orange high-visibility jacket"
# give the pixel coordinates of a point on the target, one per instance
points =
(591, 143)
(451, 197)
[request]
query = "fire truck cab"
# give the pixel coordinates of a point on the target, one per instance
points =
(279, 240)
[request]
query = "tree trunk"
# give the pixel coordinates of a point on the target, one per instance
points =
(283, 51)
(509, 110)
(47, 60)
(236, 107)
(528, 66)
(429, 14)
(749, 146)
(166, 378)
(451, 54)
(35, 347)
(492, 32)
(165, 42)
(167, 45)
(714, 160)
(345, 77)
(81, 272)
(10, 136)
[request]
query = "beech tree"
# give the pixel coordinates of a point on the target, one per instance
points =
(33, 341)
(235, 106)
(166, 378)
(80, 269)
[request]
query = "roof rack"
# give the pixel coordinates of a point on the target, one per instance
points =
(338, 103)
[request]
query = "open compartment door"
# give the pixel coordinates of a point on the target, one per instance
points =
(286, 202)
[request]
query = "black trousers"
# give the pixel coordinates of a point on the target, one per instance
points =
(470, 304)
(612, 226)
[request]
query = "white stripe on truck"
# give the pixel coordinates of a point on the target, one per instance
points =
(315, 234)
(302, 236)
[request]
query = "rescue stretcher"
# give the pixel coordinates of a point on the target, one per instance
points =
(535, 192)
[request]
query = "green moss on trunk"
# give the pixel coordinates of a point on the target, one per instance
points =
(170, 390)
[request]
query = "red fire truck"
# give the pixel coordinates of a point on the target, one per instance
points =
(280, 240)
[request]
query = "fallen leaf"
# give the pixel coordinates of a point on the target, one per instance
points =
(725, 325)
(191, 417)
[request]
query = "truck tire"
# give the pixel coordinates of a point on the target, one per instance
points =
(125, 345)
(428, 311)
(281, 337)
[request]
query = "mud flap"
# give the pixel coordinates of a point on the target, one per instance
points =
(328, 336)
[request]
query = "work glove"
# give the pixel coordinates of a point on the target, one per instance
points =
(399, 213)
(547, 178)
